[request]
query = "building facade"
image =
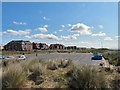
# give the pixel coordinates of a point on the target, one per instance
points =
(43, 46)
(18, 45)
(40, 46)
(36, 45)
(56, 46)
(71, 48)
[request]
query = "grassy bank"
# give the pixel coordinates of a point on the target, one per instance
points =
(53, 51)
(112, 57)
(55, 74)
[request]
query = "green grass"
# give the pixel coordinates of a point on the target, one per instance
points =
(53, 51)
(112, 57)
(0, 52)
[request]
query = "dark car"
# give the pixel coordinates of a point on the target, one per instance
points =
(96, 56)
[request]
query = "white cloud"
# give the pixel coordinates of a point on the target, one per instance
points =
(117, 36)
(69, 43)
(19, 32)
(84, 43)
(1, 33)
(99, 34)
(108, 38)
(76, 35)
(45, 26)
(92, 27)
(55, 32)
(70, 37)
(100, 26)
(89, 44)
(27, 36)
(43, 36)
(60, 30)
(81, 28)
(19, 23)
(45, 18)
(69, 25)
(78, 44)
(62, 26)
(42, 29)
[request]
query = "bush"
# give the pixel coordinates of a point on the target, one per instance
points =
(25, 66)
(55, 64)
(33, 72)
(36, 76)
(34, 69)
(14, 77)
(87, 77)
(112, 56)
(32, 65)
(64, 63)
(118, 69)
(113, 62)
(116, 82)
(5, 63)
(51, 66)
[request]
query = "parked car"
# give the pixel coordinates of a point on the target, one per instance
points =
(9, 57)
(22, 57)
(96, 56)
(2, 57)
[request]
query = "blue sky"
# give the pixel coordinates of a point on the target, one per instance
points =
(83, 24)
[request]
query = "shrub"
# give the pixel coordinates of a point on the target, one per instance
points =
(86, 77)
(64, 63)
(34, 69)
(36, 65)
(32, 65)
(112, 56)
(25, 66)
(51, 66)
(115, 83)
(54, 64)
(14, 77)
(5, 63)
(34, 76)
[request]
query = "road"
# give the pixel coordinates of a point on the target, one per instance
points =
(78, 58)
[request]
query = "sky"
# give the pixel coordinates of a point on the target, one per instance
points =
(60, 0)
(84, 24)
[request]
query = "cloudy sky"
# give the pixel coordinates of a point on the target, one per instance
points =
(88, 24)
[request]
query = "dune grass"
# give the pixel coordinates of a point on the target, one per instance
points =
(86, 76)
(14, 77)
(54, 73)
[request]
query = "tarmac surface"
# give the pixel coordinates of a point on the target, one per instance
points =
(78, 58)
